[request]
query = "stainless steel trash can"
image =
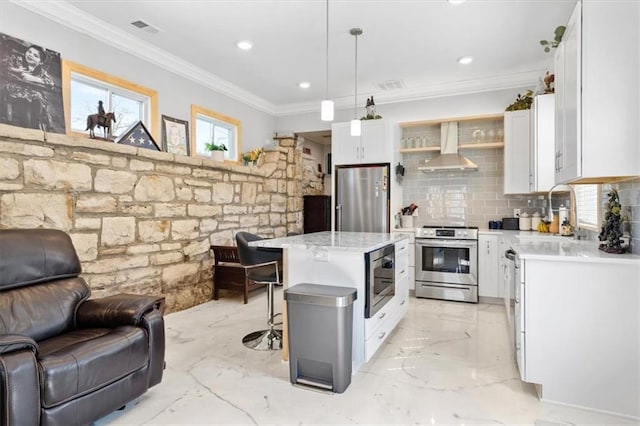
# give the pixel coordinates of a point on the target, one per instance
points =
(320, 325)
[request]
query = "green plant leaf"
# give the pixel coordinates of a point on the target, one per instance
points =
(559, 32)
(544, 42)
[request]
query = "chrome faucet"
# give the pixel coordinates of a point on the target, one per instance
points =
(576, 232)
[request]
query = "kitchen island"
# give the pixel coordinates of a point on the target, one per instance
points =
(338, 258)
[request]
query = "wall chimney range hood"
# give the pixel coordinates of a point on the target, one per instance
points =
(449, 158)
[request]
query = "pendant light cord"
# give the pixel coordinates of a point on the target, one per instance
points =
(355, 96)
(327, 54)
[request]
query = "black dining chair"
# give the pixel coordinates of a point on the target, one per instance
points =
(262, 268)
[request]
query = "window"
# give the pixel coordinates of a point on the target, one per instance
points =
(588, 206)
(213, 127)
(130, 103)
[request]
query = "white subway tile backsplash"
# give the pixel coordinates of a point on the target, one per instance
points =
(462, 198)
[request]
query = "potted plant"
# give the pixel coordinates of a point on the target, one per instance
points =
(252, 157)
(217, 151)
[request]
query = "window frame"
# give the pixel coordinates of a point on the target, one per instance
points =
(69, 67)
(215, 116)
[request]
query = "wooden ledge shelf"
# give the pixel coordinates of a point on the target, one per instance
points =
(486, 145)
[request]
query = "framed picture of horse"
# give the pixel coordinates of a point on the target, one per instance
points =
(137, 135)
(175, 135)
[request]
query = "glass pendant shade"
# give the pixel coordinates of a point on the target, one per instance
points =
(356, 127)
(326, 110)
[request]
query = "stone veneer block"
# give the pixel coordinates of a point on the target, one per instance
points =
(36, 210)
(153, 230)
(139, 165)
(118, 231)
(26, 150)
(51, 174)
(86, 157)
(95, 204)
(9, 169)
(154, 155)
(154, 188)
(114, 182)
(185, 229)
(15, 132)
(222, 193)
(86, 246)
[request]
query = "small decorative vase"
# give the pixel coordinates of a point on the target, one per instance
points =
(217, 156)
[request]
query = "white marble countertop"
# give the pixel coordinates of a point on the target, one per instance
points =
(361, 242)
(542, 246)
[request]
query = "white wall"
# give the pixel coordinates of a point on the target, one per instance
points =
(435, 108)
(175, 93)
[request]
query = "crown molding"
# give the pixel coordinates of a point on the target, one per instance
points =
(466, 87)
(70, 16)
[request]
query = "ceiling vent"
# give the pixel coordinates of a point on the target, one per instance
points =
(145, 26)
(391, 85)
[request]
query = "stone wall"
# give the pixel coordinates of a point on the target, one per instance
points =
(142, 221)
(313, 182)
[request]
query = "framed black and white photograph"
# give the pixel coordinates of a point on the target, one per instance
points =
(175, 135)
(30, 86)
(137, 135)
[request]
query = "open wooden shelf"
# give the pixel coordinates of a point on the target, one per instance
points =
(484, 145)
(422, 123)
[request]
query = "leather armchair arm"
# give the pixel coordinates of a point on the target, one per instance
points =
(16, 342)
(117, 310)
(19, 385)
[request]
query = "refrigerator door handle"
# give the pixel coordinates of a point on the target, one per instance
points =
(339, 217)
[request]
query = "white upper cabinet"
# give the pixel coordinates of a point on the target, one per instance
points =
(517, 134)
(377, 143)
(597, 93)
(541, 163)
(529, 147)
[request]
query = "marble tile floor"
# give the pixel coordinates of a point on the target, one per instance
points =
(446, 363)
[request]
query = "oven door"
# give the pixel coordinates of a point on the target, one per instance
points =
(447, 261)
(380, 279)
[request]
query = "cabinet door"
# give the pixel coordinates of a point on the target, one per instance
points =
(345, 149)
(543, 143)
(374, 144)
(488, 266)
(568, 87)
(516, 151)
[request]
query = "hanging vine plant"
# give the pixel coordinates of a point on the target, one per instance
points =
(552, 44)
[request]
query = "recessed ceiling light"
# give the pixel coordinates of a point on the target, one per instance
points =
(304, 85)
(244, 45)
(456, 1)
(465, 60)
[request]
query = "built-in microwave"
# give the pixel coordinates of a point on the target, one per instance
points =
(380, 284)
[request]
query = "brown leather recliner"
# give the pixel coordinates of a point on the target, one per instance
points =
(64, 359)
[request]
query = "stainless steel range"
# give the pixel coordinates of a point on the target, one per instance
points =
(447, 263)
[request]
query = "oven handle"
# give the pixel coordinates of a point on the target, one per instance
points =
(510, 254)
(446, 243)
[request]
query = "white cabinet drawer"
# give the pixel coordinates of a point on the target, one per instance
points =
(402, 248)
(375, 340)
(402, 269)
(370, 324)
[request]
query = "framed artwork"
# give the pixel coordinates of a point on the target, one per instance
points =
(175, 135)
(137, 135)
(30, 86)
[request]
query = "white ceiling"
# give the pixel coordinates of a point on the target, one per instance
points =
(415, 41)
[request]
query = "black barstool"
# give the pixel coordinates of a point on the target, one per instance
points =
(262, 269)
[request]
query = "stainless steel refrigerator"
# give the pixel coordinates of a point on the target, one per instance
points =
(362, 198)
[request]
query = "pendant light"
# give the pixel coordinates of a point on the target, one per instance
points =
(356, 125)
(326, 107)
